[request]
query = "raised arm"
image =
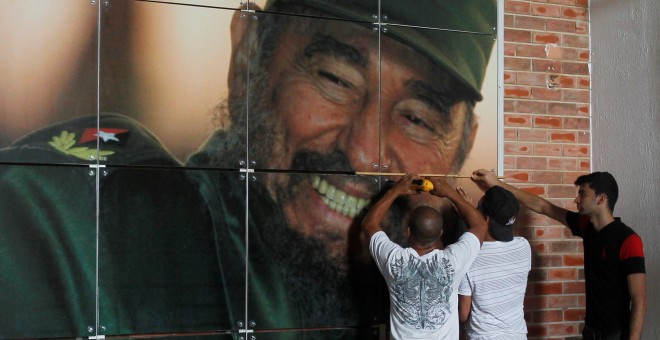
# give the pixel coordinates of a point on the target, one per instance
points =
(475, 221)
(487, 179)
(376, 214)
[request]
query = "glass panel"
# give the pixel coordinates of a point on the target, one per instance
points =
(309, 265)
(165, 71)
(171, 250)
(47, 251)
(466, 15)
(351, 10)
(428, 122)
(48, 64)
(344, 334)
(315, 87)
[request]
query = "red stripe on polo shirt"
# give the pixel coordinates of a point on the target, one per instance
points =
(631, 247)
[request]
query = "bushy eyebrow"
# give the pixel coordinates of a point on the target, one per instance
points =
(327, 45)
(438, 100)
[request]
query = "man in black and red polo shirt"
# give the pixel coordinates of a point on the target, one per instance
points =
(615, 277)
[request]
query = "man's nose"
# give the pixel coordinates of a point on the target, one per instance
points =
(359, 139)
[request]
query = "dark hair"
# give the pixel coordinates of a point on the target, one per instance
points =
(601, 183)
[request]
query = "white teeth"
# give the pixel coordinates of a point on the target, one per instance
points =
(338, 200)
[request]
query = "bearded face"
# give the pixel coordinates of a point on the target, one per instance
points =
(329, 97)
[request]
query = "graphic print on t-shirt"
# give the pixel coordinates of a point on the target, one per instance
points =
(422, 288)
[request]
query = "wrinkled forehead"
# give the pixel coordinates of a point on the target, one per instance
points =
(354, 41)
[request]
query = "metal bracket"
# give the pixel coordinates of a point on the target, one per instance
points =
(96, 337)
(246, 170)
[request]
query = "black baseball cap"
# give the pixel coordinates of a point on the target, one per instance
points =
(502, 207)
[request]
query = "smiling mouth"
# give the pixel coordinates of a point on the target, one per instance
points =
(338, 200)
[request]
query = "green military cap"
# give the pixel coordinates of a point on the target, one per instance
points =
(455, 34)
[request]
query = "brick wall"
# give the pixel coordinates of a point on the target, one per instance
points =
(546, 146)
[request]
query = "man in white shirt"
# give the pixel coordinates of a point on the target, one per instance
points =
(423, 279)
(491, 293)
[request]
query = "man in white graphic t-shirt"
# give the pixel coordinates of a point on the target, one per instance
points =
(423, 279)
(491, 293)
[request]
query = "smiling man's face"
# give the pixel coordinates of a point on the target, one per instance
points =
(334, 103)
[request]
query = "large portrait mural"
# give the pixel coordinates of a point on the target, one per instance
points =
(201, 167)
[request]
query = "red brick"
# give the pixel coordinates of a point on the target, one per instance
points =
(536, 190)
(546, 261)
(547, 288)
(509, 162)
(546, 10)
(527, 106)
(548, 122)
(533, 135)
(560, 301)
(538, 274)
(571, 40)
(511, 148)
(536, 302)
(555, 25)
(518, 64)
(576, 151)
(552, 66)
(580, 96)
(584, 55)
(547, 150)
(509, 105)
(509, 49)
(547, 177)
(584, 83)
(566, 81)
(562, 164)
(509, 20)
(545, 38)
(550, 315)
(548, 233)
(584, 165)
(532, 23)
(570, 67)
(515, 35)
(509, 78)
(583, 110)
(561, 191)
(583, 137)
(582, 27)
(510, 134)
(563, 137)
(533, 51)
(562, 274)
(573, 260)
(573, 287)
(518, 7)
(568, 109)
(575, 13)
(538, 163)
(574, 314)
(517, 176)
(582, 3)
(574, 123)
(526, 78)
(568, 246)
(563, 329)
(542, 93)
(570, 177)
(516, 92)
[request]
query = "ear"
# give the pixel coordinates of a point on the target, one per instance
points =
(243, 44)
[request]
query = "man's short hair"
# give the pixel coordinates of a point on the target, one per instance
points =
(425, 225)
(601, 183)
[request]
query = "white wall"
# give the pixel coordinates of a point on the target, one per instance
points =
(625, 125)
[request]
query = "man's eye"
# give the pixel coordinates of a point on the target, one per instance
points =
(415, 120)
(333, 78)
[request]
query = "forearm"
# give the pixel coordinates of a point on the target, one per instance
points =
(376, 214)
(637, 313)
